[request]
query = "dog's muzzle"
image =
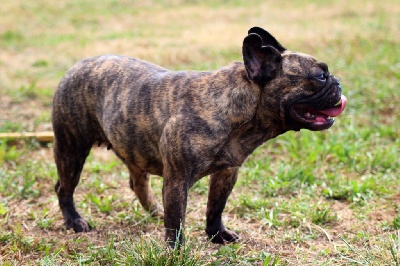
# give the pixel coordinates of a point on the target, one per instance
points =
(318, 113)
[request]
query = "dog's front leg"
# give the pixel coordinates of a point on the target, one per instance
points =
(174, 200)
(174, 148)
(221, 184)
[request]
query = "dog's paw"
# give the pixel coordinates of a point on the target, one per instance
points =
(79, 225)
(224, 237)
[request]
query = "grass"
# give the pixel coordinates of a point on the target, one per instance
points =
(307, 198)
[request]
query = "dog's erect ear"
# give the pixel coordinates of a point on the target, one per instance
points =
(261, 62)
(267, 38)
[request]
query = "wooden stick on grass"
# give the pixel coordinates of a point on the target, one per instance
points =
(45, 136)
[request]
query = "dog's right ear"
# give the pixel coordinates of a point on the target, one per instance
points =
(261, 62)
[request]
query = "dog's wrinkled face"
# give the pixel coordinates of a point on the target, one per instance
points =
(315, 96)
(303, 91)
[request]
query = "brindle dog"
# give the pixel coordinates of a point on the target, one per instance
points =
(185, 125)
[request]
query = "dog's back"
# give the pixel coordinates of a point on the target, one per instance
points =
(125, 103)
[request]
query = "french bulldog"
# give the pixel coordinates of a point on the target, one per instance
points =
(184, 125)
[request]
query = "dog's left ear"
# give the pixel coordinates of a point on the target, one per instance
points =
(267, 38)
(261, 62)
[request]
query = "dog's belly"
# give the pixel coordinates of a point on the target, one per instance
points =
(144, 159)
(136, 145)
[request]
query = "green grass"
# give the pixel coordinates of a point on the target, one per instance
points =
(304, 198)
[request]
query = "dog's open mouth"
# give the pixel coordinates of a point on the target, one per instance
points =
(317, 119)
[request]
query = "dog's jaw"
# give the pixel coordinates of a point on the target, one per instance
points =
(314, 119)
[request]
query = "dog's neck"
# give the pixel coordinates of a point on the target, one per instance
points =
(241, 96)
(259, 105)
(244, 102)
(252, 124)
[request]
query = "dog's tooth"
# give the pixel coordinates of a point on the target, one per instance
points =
(307, 114)
(339, 102)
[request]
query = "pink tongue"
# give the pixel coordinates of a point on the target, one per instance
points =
(337, 110)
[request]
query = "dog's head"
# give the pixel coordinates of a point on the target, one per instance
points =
(300, 89)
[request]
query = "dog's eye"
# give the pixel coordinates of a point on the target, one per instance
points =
(321, 77)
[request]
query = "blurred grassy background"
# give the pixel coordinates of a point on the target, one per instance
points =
(317, 198)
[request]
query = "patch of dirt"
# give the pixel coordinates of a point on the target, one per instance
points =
(23, 114)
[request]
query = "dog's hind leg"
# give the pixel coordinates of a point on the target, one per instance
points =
(139, 182)
(70, 153)
(221, 184)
